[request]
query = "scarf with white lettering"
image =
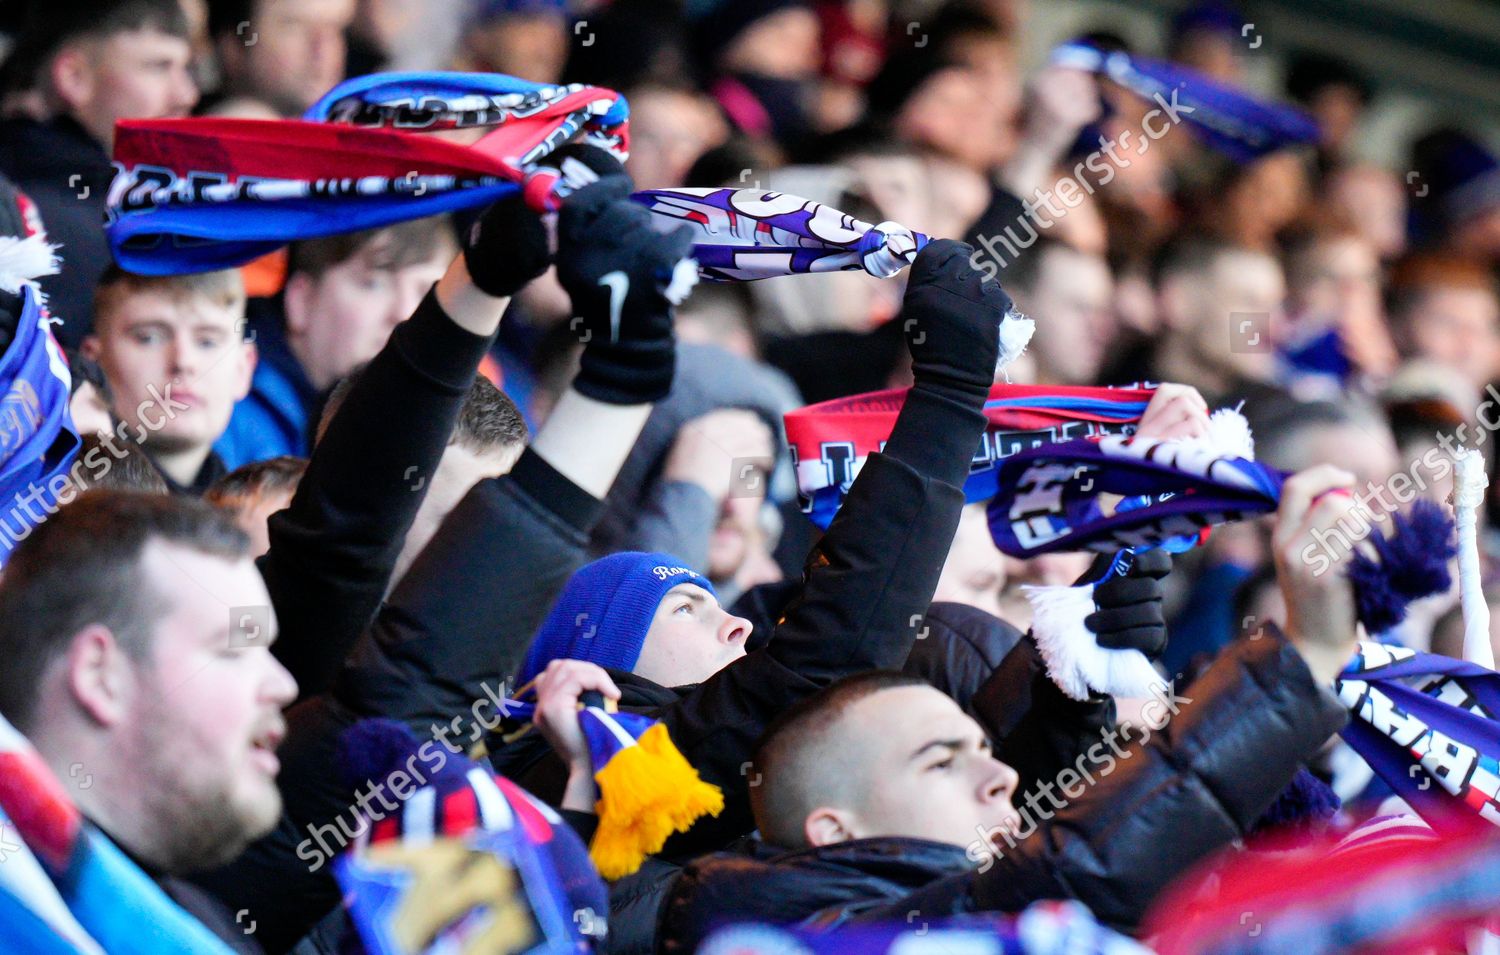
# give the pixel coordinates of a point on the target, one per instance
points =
(1426, 724)
(830, 441)
(191, 195)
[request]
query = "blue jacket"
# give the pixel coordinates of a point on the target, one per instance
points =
(275, 418)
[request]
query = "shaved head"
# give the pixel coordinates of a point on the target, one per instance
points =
(808, 757)
(877, 754)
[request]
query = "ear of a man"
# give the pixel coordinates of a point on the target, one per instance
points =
(826, 826)
(72, 75)
(98, 675)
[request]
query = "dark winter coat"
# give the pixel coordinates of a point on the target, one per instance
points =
(1197, 784)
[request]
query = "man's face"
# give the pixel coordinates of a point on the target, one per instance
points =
(152, 340)
(975, 569)
(531, 46)
(784, 44)
(139, 74)
(1072, 297)
(737, 533)
(1458, 328)
(953, 114)
(1240, 286)
(691, 638)
(668, 132)
(343, 317)
(297, 54)
(929, 770)
(1338, 277)
(206, 712)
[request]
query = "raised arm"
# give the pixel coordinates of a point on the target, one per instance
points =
(463, 614)
(334, 547)
(869, 581)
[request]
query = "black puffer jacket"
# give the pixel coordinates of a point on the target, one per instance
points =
(997, 676)
(1197, 784)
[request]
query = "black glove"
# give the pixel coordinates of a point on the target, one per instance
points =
(506, 247)
(1127, 614)
(951, 318)
(617, 269)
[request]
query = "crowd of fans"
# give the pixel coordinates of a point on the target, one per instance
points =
(440, 458)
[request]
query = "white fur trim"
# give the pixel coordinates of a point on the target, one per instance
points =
(25, 260)
(1075, 661)
(1229, 433)
(1015, 334)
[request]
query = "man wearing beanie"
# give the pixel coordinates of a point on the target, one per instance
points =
(608, 608)
(676, 654)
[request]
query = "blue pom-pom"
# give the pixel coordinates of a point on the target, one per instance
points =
(371, 750)
(1413, 563)
(1306, 803)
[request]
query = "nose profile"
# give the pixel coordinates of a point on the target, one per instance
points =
(1000, 783)
(735, 629)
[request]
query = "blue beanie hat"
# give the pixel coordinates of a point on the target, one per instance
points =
(605, 611)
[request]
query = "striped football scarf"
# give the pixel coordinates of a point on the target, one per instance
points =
(97, 898)
(191, 195)
(647, 789)
(830, 441)
(197, 194)
(1426, 724)
(37, 439)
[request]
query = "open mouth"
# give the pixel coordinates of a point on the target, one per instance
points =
(263, 749)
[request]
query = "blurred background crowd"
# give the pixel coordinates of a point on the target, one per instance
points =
(1345, 292)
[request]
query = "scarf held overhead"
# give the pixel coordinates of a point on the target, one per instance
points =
(830, 441)
(191, 195)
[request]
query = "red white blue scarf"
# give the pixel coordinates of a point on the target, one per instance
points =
(191, 195)
(830, 441)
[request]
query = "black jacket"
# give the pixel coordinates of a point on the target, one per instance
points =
(331, 557)
(997, 676)
(864, 585)
(67, 174)
(1197, 784)
(334, 547)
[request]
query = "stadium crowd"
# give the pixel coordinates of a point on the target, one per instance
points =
(339, 508)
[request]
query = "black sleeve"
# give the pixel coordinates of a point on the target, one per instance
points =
(1037, 729)
(333, 549)
(1240, 734)
(460, 621)
(866, 586)
(583, 823)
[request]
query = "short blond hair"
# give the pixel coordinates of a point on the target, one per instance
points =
(223, 289)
